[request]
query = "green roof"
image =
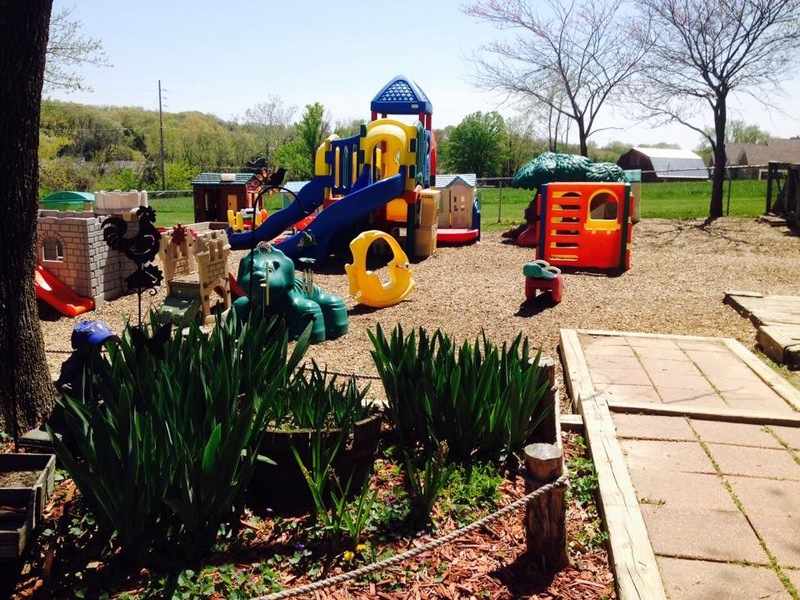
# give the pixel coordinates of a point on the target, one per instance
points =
(217, 179)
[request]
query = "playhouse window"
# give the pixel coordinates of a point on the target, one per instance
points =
(603, 207)
(52, 250)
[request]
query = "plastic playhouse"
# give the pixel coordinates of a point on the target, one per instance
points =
(586, 225)
(459, 219)
(77, 271)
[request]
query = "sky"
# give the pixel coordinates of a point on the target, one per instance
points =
(225, 57)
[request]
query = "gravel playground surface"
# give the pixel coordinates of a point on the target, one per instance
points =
(680, 271)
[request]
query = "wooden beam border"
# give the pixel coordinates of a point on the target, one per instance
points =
(632, 557)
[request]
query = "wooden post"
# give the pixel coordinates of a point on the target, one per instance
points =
(546, 514)
(548, 430)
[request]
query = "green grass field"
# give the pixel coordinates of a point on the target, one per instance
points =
(180, 209)
(503, 207)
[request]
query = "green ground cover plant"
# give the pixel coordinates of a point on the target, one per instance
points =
(480, 398)
(166, 446)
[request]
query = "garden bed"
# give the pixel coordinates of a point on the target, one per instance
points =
(270, 552)
(26, 484)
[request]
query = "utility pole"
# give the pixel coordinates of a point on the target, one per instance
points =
(161, 128)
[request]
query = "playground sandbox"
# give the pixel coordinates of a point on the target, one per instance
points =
(680, 271)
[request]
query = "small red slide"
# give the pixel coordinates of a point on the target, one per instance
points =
(50, 289)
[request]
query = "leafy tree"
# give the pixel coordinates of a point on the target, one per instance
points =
(475, 145)
(293, 156)
(572, 58)
(520, 144)
(179, 175)
(66, 173)
(313, 128)
(739, 132)
(703, 51)
(442, 137)
(67, 48)
(347, 128)
(126, 178)
(51, 146)
(26, 390)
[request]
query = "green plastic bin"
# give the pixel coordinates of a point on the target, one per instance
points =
(635, 178)
(76, 201)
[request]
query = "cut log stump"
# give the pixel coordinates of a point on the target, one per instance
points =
(546, 514)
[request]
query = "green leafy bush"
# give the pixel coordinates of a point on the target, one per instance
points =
(479, 398)
(315, 400)
(165, 455)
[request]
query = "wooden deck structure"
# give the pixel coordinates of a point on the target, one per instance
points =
(783, 191)
(778, 321)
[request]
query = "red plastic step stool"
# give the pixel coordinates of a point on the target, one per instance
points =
(539, 275)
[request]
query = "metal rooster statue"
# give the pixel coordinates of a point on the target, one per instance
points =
(141, 248)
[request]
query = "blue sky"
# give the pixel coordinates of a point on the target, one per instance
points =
(225, 57)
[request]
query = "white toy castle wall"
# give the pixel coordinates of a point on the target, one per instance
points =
(117, 200)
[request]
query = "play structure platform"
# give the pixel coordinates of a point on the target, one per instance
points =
(695, 442)
(778, 321)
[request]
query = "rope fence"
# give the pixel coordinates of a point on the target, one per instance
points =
(399, 558)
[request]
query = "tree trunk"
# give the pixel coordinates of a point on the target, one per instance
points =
(718, 176)
(582, 138)
(26, 389)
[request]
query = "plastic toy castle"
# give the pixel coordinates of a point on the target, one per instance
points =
(77, 270)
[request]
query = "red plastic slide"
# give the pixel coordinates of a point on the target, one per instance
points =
(50, 289)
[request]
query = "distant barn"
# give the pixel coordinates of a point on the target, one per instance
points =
(664, 164)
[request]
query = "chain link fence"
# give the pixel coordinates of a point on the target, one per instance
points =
(745, 195)
(167, 194)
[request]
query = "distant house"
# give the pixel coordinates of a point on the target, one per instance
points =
(217, 193)
(664, 164)
(754, 158)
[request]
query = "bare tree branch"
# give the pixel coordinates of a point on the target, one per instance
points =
(67, 48)
(573, 58)
(702, 51)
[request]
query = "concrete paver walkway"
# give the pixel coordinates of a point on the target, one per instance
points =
(708, 440)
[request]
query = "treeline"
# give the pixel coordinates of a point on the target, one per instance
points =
(87, 148)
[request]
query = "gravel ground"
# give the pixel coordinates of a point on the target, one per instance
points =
(679, 273)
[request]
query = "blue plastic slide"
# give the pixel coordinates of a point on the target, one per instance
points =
(309, 198)
(341, 213)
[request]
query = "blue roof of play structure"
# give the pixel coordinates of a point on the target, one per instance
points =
(401, 96)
